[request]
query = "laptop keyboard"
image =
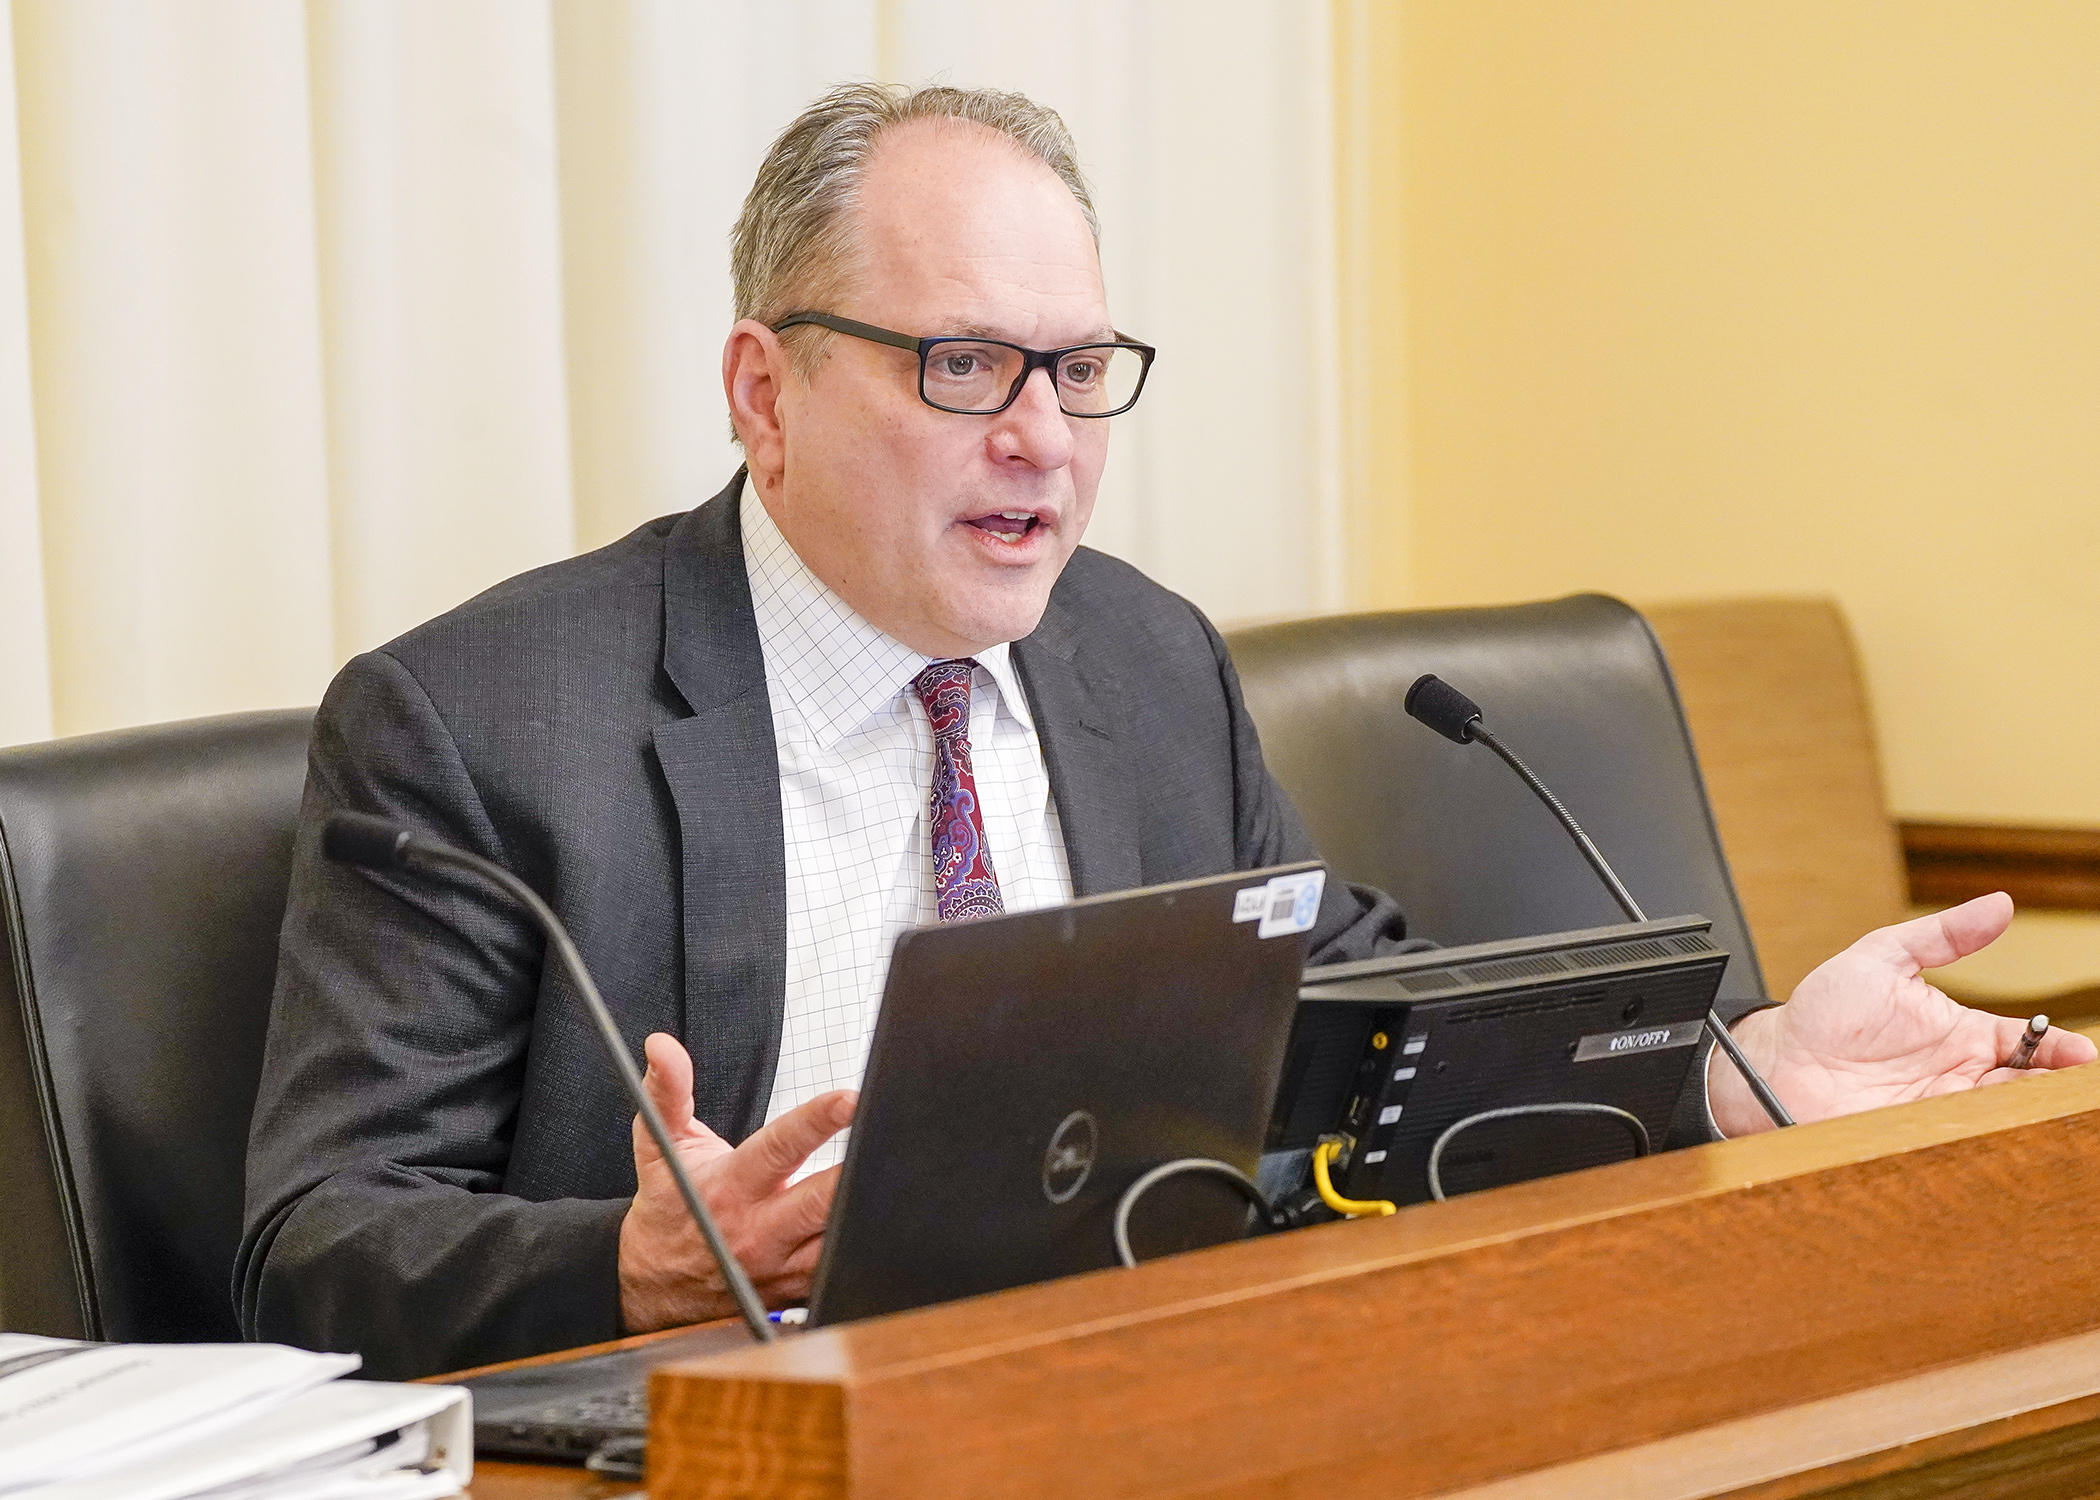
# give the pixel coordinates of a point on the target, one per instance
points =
(565, 1410)
(619, 1411)
(570, 1428)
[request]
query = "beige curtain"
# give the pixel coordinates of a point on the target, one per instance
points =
(25, 664)
(317, 318)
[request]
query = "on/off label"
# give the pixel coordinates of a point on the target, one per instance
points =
(1635, 1039)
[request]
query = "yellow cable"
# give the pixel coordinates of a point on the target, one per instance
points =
(1355, 1208)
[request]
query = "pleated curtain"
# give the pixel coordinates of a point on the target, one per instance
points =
(317, 318)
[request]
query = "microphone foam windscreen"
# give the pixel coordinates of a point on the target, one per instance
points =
(1442, 707)
(356, 838)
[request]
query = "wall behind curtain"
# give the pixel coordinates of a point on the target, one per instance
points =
(316, 319)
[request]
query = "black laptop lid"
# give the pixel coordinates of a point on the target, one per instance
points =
(1026, 1069)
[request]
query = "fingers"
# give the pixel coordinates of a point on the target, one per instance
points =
(1931, 942)
(797, 1273)
(799, 1213)
(2065, 1049)
(791, 1235)
(803, 1263)
(762, 1163)
(2005, 1075)
(669, 1079)
(2058, 1048)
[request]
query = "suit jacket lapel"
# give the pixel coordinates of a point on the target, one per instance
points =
(723, 771)
(1082, 722)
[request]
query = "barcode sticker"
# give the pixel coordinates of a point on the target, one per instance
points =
(1293, 903)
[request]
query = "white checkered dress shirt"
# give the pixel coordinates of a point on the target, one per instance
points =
(856, 777)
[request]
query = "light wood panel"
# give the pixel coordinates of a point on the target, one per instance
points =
(505, 1481)
(1447, 1345)
(1779, 715)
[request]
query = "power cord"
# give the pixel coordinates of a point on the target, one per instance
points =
(1436, 1152)
(1355, 1208)
(1254, 1195)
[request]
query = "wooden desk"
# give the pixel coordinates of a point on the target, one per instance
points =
(504, 1481)
(1589, 1318)
(1902, 1303)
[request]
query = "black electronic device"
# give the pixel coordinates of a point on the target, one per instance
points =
(1393, 1052)
(1442, 707)
(1027, 1069)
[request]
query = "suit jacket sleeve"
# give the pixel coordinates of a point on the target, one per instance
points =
(1355, 920)
(376, 1218)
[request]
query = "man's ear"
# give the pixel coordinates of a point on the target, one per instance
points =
(755, 368)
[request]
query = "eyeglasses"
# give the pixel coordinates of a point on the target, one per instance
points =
(977, 377)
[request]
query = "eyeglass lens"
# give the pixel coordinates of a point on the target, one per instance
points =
(966, 376)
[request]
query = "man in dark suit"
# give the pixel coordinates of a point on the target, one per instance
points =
(441, 1170)
(667, 738)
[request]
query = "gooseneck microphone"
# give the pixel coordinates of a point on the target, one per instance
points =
(359, 839)
(1458, 718)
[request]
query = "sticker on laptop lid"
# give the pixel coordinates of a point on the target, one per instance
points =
(1251, 904)
(1289, 903)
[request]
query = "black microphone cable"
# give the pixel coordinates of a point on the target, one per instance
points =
(1458, 718)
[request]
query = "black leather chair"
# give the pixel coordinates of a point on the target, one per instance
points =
(1578, 688)
(142, 883)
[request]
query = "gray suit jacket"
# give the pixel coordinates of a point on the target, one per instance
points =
(440, 1156)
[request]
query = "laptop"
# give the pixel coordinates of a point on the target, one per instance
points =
(1025, 1070)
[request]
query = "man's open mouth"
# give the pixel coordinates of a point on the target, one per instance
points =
(1010, 526)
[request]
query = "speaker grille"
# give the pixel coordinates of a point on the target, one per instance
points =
(1543, 966)
(1614, 954)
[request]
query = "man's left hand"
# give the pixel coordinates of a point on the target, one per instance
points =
(1865, 1029)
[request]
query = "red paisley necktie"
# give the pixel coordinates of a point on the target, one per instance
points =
(963, 882)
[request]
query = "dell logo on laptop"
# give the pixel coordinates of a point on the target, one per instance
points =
(1070, 1157)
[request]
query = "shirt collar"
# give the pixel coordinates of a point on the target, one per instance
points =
(838, 670)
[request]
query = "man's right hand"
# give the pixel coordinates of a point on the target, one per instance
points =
(667, 1278)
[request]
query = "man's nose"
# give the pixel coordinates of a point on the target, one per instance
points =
(1034, 430)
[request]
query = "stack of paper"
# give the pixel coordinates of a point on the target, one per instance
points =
(219, 1422)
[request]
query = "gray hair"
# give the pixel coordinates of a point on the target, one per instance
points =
(793, 246)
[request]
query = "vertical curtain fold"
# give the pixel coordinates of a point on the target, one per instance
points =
(25, 666)
(665, 110)
(440, 274)
(167, 195)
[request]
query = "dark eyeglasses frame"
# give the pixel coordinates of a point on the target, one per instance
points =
(1031, 359)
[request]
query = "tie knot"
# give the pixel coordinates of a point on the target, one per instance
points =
(944, 688)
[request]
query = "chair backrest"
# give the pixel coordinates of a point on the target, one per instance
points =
(1778, 709)
(142, 882)
(1577, 687)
